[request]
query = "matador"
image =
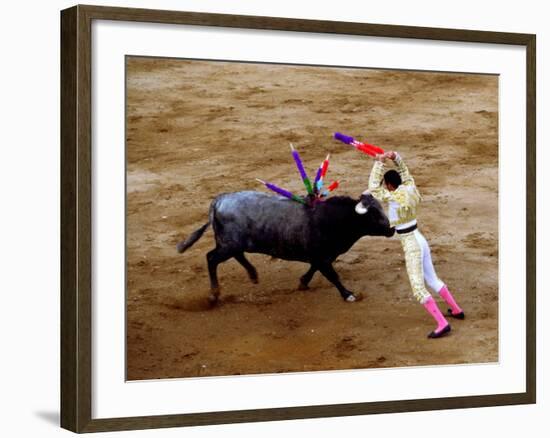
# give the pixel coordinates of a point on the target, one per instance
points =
(397, 189)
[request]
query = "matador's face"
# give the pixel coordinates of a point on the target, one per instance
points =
(390, 187)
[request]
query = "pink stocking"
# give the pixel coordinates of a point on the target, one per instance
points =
(447, 296)
(431, 306)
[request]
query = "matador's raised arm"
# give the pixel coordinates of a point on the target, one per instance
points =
(405, 194)
(406, 177)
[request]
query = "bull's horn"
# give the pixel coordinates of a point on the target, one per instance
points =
(361, 209)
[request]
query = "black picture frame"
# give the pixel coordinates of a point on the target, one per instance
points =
(76, 218)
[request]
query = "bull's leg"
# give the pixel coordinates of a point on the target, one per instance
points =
(306, 278)
(214, 258)
(331, 275)
(250, 269)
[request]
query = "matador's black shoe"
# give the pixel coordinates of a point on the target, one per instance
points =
(455, 315)
(440, 333)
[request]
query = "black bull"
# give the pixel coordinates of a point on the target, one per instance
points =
(256, 222)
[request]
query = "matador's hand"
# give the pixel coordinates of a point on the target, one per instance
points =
(391, 155)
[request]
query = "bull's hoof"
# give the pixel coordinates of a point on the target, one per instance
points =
(352, 298)
(254, 280)
(213, 298)
(303, 286)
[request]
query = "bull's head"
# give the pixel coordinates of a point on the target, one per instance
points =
(375, 218)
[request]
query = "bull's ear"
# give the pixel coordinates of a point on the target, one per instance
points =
(360, 208)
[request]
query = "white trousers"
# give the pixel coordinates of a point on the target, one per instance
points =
(420, 268)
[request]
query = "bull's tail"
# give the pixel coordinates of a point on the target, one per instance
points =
(195, 235)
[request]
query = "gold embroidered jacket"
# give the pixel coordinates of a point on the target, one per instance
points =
(402, 202)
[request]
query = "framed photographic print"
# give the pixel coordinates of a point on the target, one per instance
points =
(324, 218)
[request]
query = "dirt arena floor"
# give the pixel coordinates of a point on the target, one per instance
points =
(197, 129)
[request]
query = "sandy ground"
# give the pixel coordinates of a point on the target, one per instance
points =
(196, 129)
